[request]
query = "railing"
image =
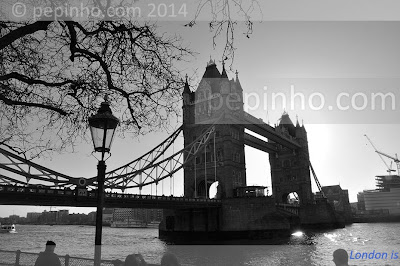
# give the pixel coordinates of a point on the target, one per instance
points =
(80, 197)
(19, 258)
(93, 194)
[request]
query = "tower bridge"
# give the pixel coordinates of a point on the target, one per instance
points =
(214, 124)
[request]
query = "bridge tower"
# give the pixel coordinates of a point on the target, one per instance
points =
(217, 101)
(290, 170)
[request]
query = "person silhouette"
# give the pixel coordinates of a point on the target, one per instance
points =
(169, 259)
(134, 260)
(340, 257)
(48, 257)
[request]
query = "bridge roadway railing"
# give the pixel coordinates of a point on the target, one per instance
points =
(19, 258)
(18, 195)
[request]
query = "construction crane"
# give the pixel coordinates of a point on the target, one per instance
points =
(395, 159)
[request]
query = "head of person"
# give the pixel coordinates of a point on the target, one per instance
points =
(50, 246)
(340, 257)
(169, 259)
(134, 260)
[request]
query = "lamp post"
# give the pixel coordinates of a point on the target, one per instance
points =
(102, 128)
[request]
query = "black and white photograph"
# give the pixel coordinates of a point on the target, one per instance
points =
(199, 132)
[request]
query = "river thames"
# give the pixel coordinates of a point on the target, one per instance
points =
(312, 248)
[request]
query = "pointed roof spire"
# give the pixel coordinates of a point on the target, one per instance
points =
(223, 74)
(285, 119)
(212, 71)
(239, 86)
(286, 122)
(211, 62)
(186, 88)
(297, 121)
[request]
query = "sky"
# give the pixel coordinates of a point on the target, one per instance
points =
(321, 53)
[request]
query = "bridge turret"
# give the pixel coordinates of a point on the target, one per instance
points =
(216, 97)
(224, 82)
(187, 94)
(290, 168)
(238, 85)
(188, 98)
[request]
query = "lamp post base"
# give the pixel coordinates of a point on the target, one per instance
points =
(97, 255)
(101, 172)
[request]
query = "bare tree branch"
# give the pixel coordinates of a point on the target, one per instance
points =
(22, 31)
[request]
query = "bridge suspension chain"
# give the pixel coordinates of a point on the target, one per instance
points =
(155, 172)
(143, 161)
(18, 166)
(317, 181)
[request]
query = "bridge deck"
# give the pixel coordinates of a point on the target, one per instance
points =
(16, 195)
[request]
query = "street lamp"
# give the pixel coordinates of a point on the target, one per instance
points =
(102, 128)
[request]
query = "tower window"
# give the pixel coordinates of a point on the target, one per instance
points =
(286, 163)
(208, 157)
(236, 157)
(234, 133)
(219, 155)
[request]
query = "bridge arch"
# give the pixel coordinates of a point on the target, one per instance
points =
(214, 191)
(291, 198)
(212, 186)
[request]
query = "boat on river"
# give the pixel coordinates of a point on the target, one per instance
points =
(7, 228)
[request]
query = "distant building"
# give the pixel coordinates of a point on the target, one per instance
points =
(32, 217)
(385, 200)
(339, 199)
(78, 218)
(62, 216)
(387, 182)
(145, 215)
(48, 217)
(92, 217)
(360, 201)
(107, 215)
(14, 218)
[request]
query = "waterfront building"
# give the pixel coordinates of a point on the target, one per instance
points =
(62, 216)
(386, 182)
(107, 216)
(385, 200)
(136, 217)
(339, 199)
(360, 201)
(32, 217)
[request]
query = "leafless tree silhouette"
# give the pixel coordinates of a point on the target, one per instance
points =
(54, 73)
(225, 16)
